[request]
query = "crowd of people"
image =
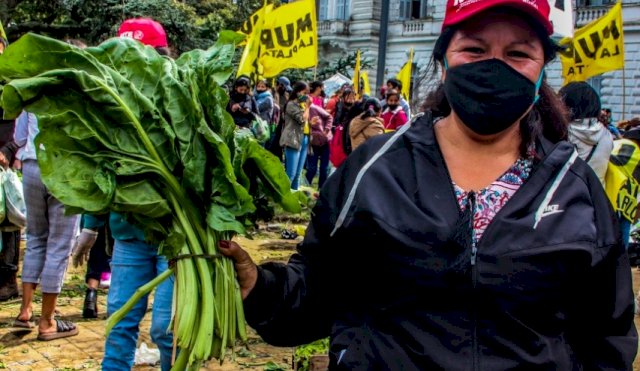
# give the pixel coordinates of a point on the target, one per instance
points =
(495, 196)
(311, 131)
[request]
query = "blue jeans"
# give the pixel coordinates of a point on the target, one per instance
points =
(294, 160)
(625, 226)
(322, 154)
(133, 264)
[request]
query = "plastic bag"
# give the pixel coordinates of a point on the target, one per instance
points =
(13, 199)
(146, 355)
(260, 129)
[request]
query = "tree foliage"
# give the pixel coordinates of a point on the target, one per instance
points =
(189, 23)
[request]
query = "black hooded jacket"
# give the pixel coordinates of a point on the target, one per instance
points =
(385, 271)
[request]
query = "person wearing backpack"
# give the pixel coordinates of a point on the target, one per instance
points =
(319, 141)
(592, 139)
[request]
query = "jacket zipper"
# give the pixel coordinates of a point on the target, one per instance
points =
(471, 204)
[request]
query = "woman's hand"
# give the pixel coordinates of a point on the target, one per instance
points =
(315, 120)
(245, 267)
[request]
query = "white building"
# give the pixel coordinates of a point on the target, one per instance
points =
(348, 25)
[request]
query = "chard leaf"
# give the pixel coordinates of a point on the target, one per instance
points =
(251, 157)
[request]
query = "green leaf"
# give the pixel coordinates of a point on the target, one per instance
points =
(250, 154)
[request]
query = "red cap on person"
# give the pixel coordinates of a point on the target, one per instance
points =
(145, 30)
(461, 10)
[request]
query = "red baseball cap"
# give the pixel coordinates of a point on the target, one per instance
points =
(145, 30)
(459, 11)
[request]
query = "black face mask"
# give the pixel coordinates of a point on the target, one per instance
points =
(489, 96)
(392, 107)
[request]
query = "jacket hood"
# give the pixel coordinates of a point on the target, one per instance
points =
(588, 131)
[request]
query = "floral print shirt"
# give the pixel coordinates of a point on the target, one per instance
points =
(491, 199)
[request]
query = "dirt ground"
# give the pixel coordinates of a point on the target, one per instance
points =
(19, 350)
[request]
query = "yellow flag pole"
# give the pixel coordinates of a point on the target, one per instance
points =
(624, 93)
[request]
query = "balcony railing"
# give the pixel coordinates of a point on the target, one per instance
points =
(586, 14)
(334, 27)
(416, 27)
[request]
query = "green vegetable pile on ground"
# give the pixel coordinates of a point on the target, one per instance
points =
(124, 129)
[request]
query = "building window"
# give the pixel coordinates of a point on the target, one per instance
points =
(343, 9)
(323, 10)
(415, 9)
(595, 2)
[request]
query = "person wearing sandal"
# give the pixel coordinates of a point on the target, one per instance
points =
(49, 241)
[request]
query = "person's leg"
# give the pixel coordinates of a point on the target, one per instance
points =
(302, 158)
(132, 265)
(62, 231)
(35, 195)
(291, 163)
(9, 258)
(161, 334)
(97, 264)
(324, 165)
(312, 165)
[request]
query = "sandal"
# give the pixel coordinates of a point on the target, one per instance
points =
(63, 329)
(23, 324)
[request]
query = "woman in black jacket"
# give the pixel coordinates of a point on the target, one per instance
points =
(472, 239)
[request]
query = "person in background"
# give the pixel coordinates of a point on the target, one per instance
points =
(481, 201)
(242, 106)
(395, 84)
(316, 94)
(93, 246)
(321, 134)
(264, 101)
(593, 141)
(345, 106)
(393, 115)
(10, 251)
(295, 134)
(332, 104)
(134, 261)
(281, 97)
(49, 241)
(611, 126)
(366, 125)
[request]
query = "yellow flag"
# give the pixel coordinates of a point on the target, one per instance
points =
(3, 35)
(405, 76)
(255, 18)
(595, 48)
(250, 61)
(366, 88)
(356, 75)
(289, 38)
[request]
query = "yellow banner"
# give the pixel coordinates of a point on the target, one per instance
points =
(356, 75)
(3, 35)
(405, 76)
(595, 48)
(366, 88)
(621, 186)
(249, 62)
(255, 18)
(289, 38)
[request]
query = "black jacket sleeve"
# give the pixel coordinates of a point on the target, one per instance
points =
(604, 335)
(295, 303)
(289, 305)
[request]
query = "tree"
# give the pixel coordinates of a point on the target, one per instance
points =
(189, 23)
